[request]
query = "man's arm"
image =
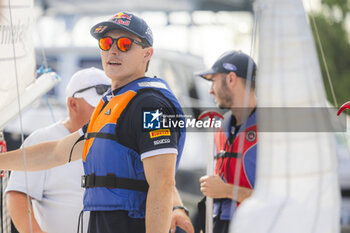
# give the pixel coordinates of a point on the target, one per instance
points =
(160, 175)
(179, 217)
(42, 156)
(18, 209)
(215, 187)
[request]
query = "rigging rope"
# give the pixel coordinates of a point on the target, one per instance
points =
(245, 114)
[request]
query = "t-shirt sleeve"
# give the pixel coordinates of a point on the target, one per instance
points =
(36, 181)
(153, 141)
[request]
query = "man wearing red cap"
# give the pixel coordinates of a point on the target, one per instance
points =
(129, 173)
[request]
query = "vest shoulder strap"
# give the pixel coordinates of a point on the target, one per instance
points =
(225, 154)
(76, 142)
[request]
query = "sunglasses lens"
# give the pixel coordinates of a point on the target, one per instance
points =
(101, 89)
(105, 43)
(124, 44)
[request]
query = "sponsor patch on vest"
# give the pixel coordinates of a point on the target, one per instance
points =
(159, 133)
(251, 136)
(161, 141)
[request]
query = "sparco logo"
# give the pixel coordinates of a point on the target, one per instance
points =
(161, 141)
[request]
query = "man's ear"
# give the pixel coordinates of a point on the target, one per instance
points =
(72, 104)
(231, 79)
(148, 53)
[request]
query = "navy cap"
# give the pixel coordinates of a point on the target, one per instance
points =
(232, 61)
(126, 22)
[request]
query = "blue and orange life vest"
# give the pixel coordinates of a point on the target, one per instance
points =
(106, 157)
(227, 157)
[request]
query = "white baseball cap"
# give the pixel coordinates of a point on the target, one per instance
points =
(90, 84)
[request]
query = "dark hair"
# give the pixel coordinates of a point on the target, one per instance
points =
(147, 65)
(145, 42)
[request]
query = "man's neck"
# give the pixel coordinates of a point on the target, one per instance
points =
(120, 83)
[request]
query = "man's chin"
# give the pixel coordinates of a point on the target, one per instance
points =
(221, 106)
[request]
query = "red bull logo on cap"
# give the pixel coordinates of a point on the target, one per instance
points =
(122, 18)
(100, 29)
(122, 15)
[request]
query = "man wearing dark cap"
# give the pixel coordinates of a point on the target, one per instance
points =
(233, 83)
(129, 159)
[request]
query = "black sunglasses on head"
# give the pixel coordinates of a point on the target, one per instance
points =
(100, 89)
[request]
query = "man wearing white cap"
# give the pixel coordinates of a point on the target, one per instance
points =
(56, 195)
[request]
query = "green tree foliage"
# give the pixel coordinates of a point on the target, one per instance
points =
(343, 5)
(335, 43)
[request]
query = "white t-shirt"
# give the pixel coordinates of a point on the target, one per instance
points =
(57, 193)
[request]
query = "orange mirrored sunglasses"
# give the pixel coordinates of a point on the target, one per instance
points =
(123, 43)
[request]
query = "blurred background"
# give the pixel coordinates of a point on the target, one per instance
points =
(189, 35)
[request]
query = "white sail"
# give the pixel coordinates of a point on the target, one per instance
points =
(17, 60)
(296, 183)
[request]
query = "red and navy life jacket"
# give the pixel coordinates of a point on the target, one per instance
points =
(243, 151)
(114, 174)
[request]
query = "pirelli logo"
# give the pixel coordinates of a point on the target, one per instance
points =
(159, 133)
